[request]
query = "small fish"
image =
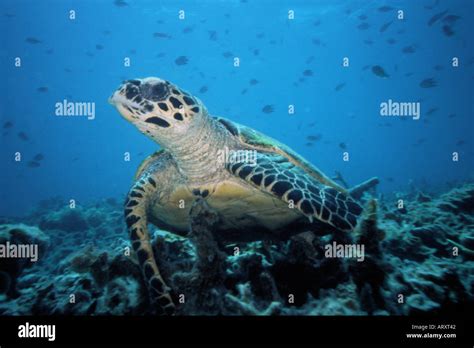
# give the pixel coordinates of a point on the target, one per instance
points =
(316, 23)
(428, 83)
(23, 136)
(312, 124)
(9, 15)
(162, 35)
(309, 144)
(38, 157)
(187, 30)
(409, 74)
(33, 164)
(385, 26)
(368, 42)
(460, 143)
(431, 111)
(340, 86)
(362, 17)
(437, 17)
(430, 7)
(203, 89)
(120, 3)
(447, 30)
(253, 82)
(380, 72)
(268, 109)
(67, 70)
(438, 67)
(343, 146)
(408, 49)
(309, 59)
(42, 89)
(385, 9)
(49, 51)
(244, 91)
(308, 72)
(418, 143)
(316, 41)
(421, 141)
(33, 40)
(99, 47)
(181, 60)
(390, 179)
(315, 137)
(260, 35)
(365, 67)
(256, 52)
(451, 19)
(451, 115)
(7, 125)
(363, 26)
(212, 35)
(161, 55)
(133, 51)
(107, 32)
(391, 41)
(227, 54)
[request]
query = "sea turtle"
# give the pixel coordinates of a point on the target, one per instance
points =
(260, 188)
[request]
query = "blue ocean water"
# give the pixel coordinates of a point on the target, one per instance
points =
(283, 62)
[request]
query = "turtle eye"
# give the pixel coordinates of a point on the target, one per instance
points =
(154, 92)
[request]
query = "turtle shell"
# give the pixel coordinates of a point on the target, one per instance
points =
(261, 142)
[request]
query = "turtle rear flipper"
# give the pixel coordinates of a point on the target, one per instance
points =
(278, 176)
(136, 218)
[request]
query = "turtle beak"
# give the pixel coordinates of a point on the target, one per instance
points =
(114, 98)
(111, 100)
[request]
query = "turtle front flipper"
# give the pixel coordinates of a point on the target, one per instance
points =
(136, 218)
(278, 176)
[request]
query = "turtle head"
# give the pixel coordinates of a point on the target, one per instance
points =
(157, 108)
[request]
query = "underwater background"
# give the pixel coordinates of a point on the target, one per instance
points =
(283, 61)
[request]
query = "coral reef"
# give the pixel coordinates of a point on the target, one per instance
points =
(419, 259)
